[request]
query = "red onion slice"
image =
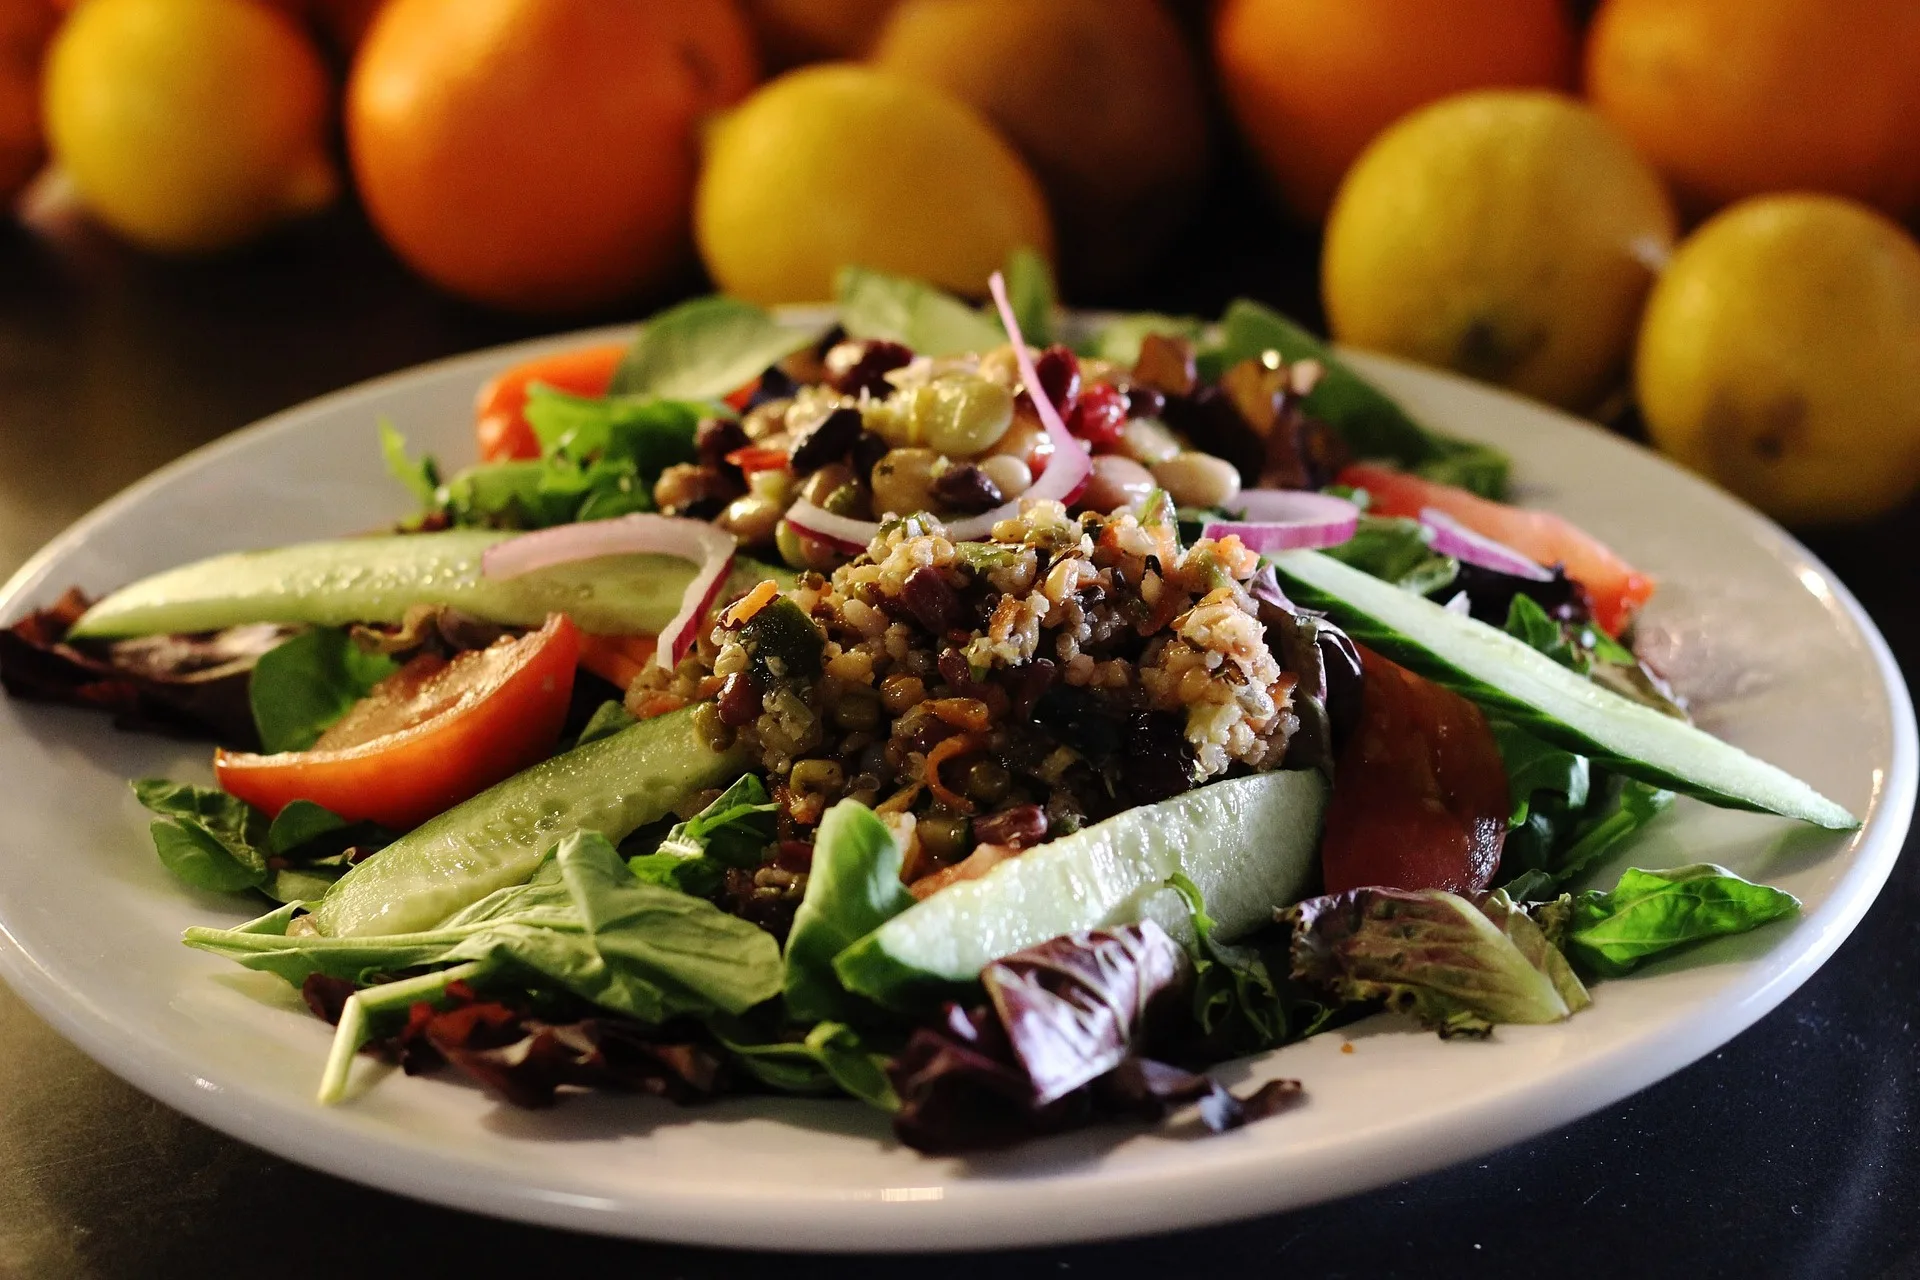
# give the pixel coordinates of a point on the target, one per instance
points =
(1451, 538)
(1289, 520)
(701, 544)
(844, 533)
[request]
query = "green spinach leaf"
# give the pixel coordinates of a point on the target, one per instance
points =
(1650, 913)
(302, 686)
(707, 348)
(830, 1058)
(204, 836)
(853, 888)
(931, 321)
(583, 924)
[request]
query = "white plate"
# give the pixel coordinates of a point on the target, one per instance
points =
(1777, 654)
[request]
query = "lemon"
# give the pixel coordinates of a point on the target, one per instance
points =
(1780, 356)
(840, 164)
(1510, 235)
(189, 125)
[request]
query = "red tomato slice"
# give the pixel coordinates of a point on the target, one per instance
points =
(500, 421)
(1419, 792)
(1616, 588)
(430, 735)
(755, 457)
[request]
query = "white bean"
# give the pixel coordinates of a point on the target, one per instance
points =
(1116, 482)
(1198, 479)
(1008, 473)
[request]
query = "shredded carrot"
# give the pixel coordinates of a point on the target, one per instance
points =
(944, 750)
(984, 858)
(749, 604)
(619, 659)
(900, 801)
(649, 705)
(969, 714)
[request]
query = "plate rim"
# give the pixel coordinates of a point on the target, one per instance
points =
(907, 1224)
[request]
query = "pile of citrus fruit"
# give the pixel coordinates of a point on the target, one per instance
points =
(1697, 199)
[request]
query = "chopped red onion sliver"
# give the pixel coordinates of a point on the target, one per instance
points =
(709, 548)
(1451, 538)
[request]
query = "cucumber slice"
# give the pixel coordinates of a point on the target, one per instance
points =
(1249, 844)
(378, 579)
(1546, 699)
(613, 786)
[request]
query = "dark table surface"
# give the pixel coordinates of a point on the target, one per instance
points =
(1790, 1152)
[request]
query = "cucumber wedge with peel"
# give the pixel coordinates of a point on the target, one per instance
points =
(1249, 844)
(1556, 704)
(614, 786)
(377, 579)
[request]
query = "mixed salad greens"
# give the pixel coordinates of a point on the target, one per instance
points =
(920, 708)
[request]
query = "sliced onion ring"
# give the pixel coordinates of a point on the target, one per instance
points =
(710, 549)
(844, 533)
(1451, 538)
(1289, 520)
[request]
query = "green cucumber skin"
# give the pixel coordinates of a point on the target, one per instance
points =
(1115, 872)
(1353, 599)
(613, 786)
(377, 579)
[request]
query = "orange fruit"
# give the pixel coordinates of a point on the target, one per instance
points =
(1731, 98)
(1312, 81)
(792, 32)
(540, 154)
(1121, 167)
(25, 27)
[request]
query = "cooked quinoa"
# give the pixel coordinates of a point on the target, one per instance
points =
(995, 693)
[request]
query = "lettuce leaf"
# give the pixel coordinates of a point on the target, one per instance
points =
(852, 889)
(1030, 290)
(706, 348)
(1650, 913)
(1397, 550)
(214, 841)
(830, 1058)
(1237, 1004)
(1456, 968)
(733, 831)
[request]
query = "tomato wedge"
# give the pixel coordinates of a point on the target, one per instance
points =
(430, 735)
(1419, 792)
(500, 410)
(1616, 588)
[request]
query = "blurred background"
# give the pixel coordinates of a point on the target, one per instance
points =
(1690, 219)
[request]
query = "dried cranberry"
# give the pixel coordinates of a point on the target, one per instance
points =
(1099, 416)
(715, 438)
(855, 366)
(828, 442)
(967, 489)
(1059, 373)
(1145, 402)
(934, 605)
(1020, 827)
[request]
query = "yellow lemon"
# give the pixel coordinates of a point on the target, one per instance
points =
(1780, 356)
(1510, 235)
(839, 164)
(189, 125)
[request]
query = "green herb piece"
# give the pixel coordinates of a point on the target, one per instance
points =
(931, 321)
(852, 889)
(421, 477)
(707, 348)
(301, 687)
(1650, 913)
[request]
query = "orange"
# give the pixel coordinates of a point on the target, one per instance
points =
(1312, 81)
(1731, 98)
(540, 154)
(25, 26)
